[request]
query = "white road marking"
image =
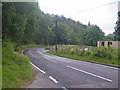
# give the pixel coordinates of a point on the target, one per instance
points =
(50, 59)
(46, 57)
(113, 68)
(96, 64)
(106, 66)
(53, 79)
(22, 52)
(64, 88)
(101, 65)
(70, 60)
(40, 52)
(37, 76)
(38, 68)
(89, 73)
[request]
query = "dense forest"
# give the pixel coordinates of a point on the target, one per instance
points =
(25, 23)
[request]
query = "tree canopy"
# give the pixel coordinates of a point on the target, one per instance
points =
(25, 23)
(117, 28)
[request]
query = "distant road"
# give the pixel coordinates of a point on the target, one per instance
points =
(69, 73)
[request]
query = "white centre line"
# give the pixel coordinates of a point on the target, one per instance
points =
(53, 79)
(22, 52)
(38, 68)
(89, 73)
(64, 88)
(49, 59)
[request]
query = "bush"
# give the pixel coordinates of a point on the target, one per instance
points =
(81, 53)
(72, 52)
(109, 56)
(102, 52)
(87, 53)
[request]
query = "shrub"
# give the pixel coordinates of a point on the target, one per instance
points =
(102, 52)
(72, 52)
(109, 56)
(81, 53)
(87, 53)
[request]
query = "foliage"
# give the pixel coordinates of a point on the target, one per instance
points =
(117, 28)
(97, 54)
(25, 23)
(102, 52)
(93, 35)
(109, 37)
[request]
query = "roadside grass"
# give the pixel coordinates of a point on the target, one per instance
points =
(16, 69)
(94, 54)
(0, 64)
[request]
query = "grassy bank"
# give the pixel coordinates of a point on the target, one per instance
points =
(16, 69)
(0, 64)
(95, 54)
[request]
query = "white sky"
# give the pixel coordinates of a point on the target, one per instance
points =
(105, 17)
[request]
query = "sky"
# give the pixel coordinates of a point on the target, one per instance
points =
(104, 13)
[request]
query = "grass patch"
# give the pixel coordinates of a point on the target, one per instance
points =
(95, 54)
(0, 64)
(16, 69)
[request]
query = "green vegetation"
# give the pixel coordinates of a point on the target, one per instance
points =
(0, 64)
(16, 69)
(117, 28)
(25, 23)
(96, 54)
(19, 48)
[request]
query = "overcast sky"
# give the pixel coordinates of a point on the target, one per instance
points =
(105, 17)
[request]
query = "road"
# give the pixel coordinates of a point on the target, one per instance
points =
(68, 73)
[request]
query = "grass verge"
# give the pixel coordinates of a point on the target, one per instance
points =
(0, 64)
(16, 69)
(95, 55)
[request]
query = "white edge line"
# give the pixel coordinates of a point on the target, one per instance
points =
(99, 65)
(106, 66)
(113, 68)
(53, 79)
(38, 68)
(89, 73)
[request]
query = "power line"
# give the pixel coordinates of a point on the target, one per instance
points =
(85, 10)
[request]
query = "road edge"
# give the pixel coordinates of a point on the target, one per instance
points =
(116, 66)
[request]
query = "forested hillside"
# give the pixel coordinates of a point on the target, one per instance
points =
(25, 23)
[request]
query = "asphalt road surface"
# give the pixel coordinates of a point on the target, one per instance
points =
(69, 73)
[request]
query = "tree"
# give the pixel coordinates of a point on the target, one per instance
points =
(20, 21)
(109, 37)
(25, 23)
(117, 28)
(93, 34)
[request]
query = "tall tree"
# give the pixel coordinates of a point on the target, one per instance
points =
(25, 23)
(117, 28)
(109, 37)
(93, 35)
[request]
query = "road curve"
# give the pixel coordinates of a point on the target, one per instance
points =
(69, 73)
